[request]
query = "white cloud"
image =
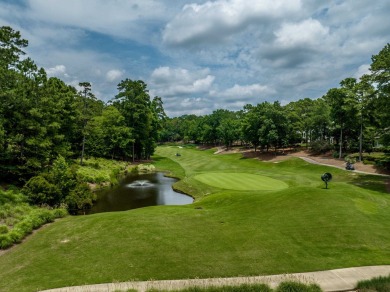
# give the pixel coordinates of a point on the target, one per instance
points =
(58, 70)
(309, 32)
(244, 92)
(217, 20)
(168, 82)
(114, 75)
(123, 18)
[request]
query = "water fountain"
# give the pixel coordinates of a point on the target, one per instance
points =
(140, 184)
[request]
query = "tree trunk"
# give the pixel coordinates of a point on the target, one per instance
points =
(361, 140)
(133, 150)
(341, 143)
(82, 151)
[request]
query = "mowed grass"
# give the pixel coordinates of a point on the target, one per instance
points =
(241, 181)
(225, 233)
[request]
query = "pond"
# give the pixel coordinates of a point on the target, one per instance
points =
(137, 191)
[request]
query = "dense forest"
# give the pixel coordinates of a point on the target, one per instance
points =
(45, 123)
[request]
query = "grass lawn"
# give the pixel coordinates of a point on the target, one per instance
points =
(241, 181)
(298, 226)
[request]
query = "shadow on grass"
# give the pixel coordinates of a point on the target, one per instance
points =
(371, 182)
(264, 156)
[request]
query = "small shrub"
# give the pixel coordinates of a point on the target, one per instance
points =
(36, 221)
(291, 286)
(384, 162)
(378, 284)
(16, 235)
(320, 147)
(60, 213)
(3, 229)
(5, 241)
(146, 168)
(3, 214)
(46, 216)
(40, 191)
(24, 227)
(239, 288)
(350, 159)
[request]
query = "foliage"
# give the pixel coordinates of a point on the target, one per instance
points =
(80, 198)
(145, 168)
(225, 288)
(108, 135)
(292, 286)
(60, 185)
(18, 219)
(40, 191)
(141, 115)
(378, 284)
(99, 170)
(320, 147)
(384, 161)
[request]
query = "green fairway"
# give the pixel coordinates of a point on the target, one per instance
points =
(225, 233)
(241, 181)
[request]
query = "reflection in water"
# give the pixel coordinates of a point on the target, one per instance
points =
(137, 191)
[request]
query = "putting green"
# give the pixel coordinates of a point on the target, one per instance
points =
(241, 181)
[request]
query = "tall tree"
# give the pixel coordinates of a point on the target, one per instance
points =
(11, 47)
(251, 124)
(86, 90)
(108, 135)
(133, 101)
(301, 114)
(380, 76)
(337, 100)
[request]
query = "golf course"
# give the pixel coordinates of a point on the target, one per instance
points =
(249, 217)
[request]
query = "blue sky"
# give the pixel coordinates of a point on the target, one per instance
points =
(200, 56)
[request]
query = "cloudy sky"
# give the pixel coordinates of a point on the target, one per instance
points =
(203, 55)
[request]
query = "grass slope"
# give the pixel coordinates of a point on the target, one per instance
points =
(241, 181)
(224, 233)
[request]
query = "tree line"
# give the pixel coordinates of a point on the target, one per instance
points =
(354, 116)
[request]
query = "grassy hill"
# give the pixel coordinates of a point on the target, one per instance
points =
(227, 232)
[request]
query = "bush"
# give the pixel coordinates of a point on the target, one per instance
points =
(320, 147)
(291, 286)
(379, 284)
(11, 196)
(40, 191)
(3, 229)
(384, 162)
(24, 227)
(60, 213)
(5, 241)
(19, 219)
(16, 235)
(45, 215)
(81, 197)
(239, 288)
(146, 168)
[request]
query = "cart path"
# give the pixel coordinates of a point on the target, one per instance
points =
(307, 159)
(330, 281)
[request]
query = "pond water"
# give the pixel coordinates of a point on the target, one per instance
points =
(137, 191)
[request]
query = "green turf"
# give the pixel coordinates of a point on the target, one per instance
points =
(241, 181)
(225, 233)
